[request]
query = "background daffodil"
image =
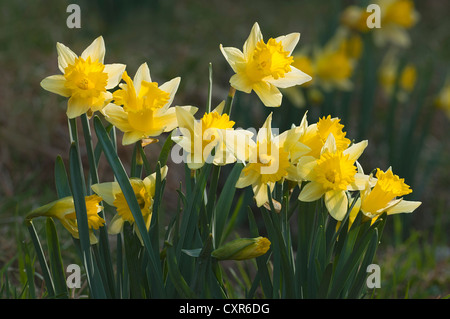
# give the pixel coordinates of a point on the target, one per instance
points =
(265, 66)
(85, 79)
(141, 107)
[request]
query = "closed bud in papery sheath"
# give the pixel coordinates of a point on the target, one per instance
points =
(242, 248)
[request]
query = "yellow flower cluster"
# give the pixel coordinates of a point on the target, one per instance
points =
(318, 157)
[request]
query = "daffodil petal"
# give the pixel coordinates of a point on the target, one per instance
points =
(241, 83)
(116, 225)
(65, 56)
(268, 93)
(404, 206)
(254, 37)
(356, 150)
(114, 72)
(311, 192)
(170, 87)
(291, 78)
(107, 191)
(260, 194)
(55, 84)
(246, 179)
(132, 137)
(233, 56)
(76, 106)
(117, 116)
(336, 203)
(96, 50)
(142, 74)
(289, 41)
(150, 181)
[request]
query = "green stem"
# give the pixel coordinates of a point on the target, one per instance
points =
(229, 101)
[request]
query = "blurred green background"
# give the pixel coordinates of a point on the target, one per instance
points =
(181, 38)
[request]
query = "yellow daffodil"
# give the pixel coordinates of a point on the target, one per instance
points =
(388, 75)
(332, 175)
(265, 66)
(141, 107)
(333, 68)
(383, 196)
(64, 210)
(355, 18)
(85, 79)
(270, 161)
(397, 16)
(242, 248)
(214, 131)
(315, 135)
(144, 191)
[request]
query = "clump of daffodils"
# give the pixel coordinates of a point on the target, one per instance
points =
(318, 157)
(396, 18)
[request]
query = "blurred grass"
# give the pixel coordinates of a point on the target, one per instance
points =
(180, 38)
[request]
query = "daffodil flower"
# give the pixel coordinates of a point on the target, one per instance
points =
(141, 107)
(397, 16)
(85, 79)
(64, 210)
(332, 175)
(387, 75)
(144, 191)
(270, 161)
(384, 196)
(265, 66)
(214, 131)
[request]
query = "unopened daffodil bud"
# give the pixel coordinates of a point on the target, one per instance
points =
(242, 248)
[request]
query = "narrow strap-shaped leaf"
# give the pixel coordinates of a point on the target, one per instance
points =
(42, 260)
(127, 190)
(176, 278)
(55, 259)
(78, 191)
(223, 206)
(61, 180)
(165, 151)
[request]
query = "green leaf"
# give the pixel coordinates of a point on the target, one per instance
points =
(223, 206)
(165, 151)
(55, 259)
(61, 180)
(78, 191)
(127, 190)
(176, 278)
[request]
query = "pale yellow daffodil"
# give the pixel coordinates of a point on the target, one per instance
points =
(213, 132)
(85, 79)
(387, 76)
(332, 175)
(141, 107)
(383, 196)
(269, 161)
(144, 191)
(265, 66)
(64, 210)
